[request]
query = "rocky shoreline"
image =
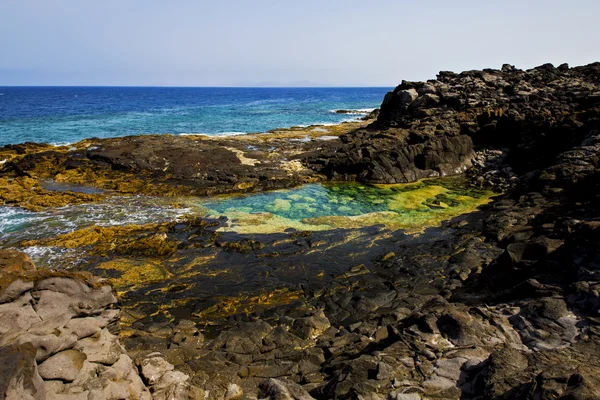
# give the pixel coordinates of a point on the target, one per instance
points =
(501, 303)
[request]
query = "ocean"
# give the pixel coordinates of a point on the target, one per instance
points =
(62, 115)
(70, 114)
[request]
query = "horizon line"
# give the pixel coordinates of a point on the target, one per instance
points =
(198, 87)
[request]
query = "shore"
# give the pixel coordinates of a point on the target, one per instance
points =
(163, 165)
(497, 303)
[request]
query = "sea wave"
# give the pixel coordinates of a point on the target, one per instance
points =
(218, 134)
(270, 101)
(358, 111)
(354, 119)
(12, 217)
(61, 144)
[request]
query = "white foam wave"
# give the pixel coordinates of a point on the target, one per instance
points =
(327, 137)
(60, 144)
(17, 224)
(354, 119)
(11, 217)
(357, 111)
(56, 257)
(220, 134)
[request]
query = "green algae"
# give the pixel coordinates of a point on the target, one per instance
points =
(412, 207)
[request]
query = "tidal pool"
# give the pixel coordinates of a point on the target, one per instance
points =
(225, 273)
(412, 207)
(314, 207)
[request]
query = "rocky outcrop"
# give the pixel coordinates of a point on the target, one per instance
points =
(499, 304)
(36, 176)
(58, 340)
(427, 129)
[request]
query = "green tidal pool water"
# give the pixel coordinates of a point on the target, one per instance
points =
(315, 207)
(412, 207)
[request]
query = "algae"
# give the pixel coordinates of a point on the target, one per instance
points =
(133, 240)
(248, 303)
(412, 207)
(125, 273)
(27, 193)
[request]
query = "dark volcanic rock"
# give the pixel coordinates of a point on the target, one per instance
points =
(430, 128)
(499, 304)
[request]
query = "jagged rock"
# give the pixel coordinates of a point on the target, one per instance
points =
(18, 314)
(153, 367)
(276, 389)
(311, 327)
(59, 296)
(234, 392)
(406, 97)
(102, 348)
(12, 260)
(499, 304)
(87, 326)
(546, 324)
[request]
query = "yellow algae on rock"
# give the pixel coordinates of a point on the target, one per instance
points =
(138, 240)
(242, 223)
(415, 199)
(134, 273)
(28, 193)
(246, 304)
(244, 185)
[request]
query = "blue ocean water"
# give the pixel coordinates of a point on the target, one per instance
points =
(62, 115)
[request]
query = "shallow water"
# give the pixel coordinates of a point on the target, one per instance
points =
(411, 207)
(217, 278)
(314, 207)
(17, 224)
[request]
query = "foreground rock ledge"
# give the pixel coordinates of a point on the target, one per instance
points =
(58, 340)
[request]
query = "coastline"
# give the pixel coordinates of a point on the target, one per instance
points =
(278, 152)
(497, 303)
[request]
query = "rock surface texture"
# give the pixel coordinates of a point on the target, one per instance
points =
(58, 340)
(499, 304)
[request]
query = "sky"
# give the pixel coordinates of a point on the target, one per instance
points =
(284, 43)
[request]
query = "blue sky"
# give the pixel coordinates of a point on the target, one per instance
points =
(269, 42)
